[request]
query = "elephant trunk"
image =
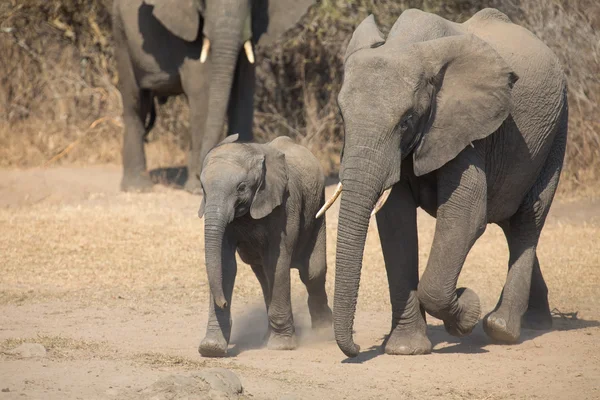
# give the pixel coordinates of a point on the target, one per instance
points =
(362, 185)
(214, 229)
(224, 53)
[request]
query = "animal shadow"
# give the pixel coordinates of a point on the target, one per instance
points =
(174, 177)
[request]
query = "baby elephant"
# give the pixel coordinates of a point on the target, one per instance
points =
(261, 200)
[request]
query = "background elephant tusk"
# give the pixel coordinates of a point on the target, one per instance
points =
(329, 203)
(205, 49)
(249, 51)
(382, 199)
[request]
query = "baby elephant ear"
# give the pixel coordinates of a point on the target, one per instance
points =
(366, 35)
(230, 139)
(273, 186)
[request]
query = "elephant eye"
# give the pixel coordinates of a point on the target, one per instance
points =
(404, 124)
(242, 187)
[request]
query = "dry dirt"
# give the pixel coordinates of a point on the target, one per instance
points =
(113, 285)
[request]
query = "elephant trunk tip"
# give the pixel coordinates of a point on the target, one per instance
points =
(351, 349)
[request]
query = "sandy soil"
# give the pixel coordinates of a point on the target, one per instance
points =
(113, 285)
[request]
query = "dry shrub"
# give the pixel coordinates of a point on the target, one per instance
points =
(57, 79)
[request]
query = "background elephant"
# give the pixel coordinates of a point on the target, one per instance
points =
(469, 122)
(169, 47)
(260, 199)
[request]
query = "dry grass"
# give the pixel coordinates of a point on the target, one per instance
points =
(126, 248)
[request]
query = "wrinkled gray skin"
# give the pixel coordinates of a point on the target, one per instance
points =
(158, 45)
(261, 199)
(469, 122)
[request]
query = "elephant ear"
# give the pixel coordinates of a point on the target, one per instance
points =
(472, 86)
(182, 17)
(273, 185)
(272, 18)
(366, 35)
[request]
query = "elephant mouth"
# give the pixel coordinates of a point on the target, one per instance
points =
(383, 197)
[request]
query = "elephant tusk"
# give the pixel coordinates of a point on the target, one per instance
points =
(249, 51)
(329, 203)
(382, 199)
(205, 49)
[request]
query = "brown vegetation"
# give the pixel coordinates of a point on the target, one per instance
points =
(60, 104)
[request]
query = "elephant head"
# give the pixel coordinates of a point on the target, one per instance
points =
(426, 99)
(225, 27)
(237, 179)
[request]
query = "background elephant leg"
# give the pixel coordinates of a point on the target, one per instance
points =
(525, 294)
(313, 275)
(262, 279)
(461, 220)
(281, 320)
(240, 111)
(218, 329)
(198, 102)
(136, 105)
(397, 225)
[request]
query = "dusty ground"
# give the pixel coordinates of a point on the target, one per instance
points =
(113, 285)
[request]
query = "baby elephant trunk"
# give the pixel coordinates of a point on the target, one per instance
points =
(214, 229)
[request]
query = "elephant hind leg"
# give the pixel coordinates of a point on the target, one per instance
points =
(262, 279)
(313, 275)
(524, 298)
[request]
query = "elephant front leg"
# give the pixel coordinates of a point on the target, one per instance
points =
(282, 334)
(264, 285)
(397, 225)
(240, 110)
(218, 329)
(198, 111)
(461, 220)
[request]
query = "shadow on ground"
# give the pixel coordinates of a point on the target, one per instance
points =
(174, 177)
(477, 341)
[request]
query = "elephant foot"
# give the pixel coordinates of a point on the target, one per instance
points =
(406, 343)
(213, 347)
(536, 319)
(501, 327)
(136, 183)
(193, 185)
(322, 319)
(469, 311)
(282, 342)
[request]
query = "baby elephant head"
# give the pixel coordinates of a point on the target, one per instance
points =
(237, 178)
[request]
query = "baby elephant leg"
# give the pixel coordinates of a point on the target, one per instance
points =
(313, 276)
(282, 334)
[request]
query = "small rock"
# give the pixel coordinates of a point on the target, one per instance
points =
(5, 390)
(28, 350)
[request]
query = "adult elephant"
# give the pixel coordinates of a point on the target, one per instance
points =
(203, 48)
(469, 122)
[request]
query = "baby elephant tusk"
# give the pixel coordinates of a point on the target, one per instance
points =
(329, 203)
(205, 49)
(382, 199)
(249, 51)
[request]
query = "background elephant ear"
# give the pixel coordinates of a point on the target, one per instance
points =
(272, 18)
(472, 86)
(274, 183)
(366, 35)
(182, 17)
